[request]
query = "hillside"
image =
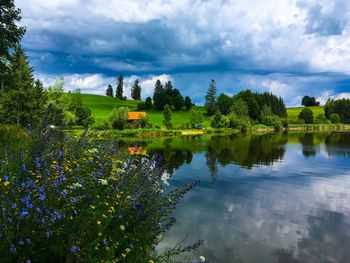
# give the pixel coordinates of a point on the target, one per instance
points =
(102, 106)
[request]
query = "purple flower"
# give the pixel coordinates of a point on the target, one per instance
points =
(23, 214)
(21, 242)
(13, 250)
(75, 249)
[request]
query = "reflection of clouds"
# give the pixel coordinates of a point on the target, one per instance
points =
(252, 217)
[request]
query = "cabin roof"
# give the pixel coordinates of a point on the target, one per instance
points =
(136, 115)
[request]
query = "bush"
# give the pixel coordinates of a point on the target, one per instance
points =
(148, 103)
(340, 107)
(307, 115)
(196, 119)
(141, 106)
(167, 117)
(82, 200)
(272, 121)
(334, 118)
(239, 122)
(119, 118)
(321, 119)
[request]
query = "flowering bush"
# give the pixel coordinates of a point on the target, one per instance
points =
(66, 199)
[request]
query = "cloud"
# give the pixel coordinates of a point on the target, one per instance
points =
(288, 47)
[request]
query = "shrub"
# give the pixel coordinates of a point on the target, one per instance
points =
(196, 119)
(340, 107)
(239, 122)
(167, 117)
(272, 121)
(321, 119)
(141, 106)
(307, 115)
(119, 118)
(334, 118)
(82, 200)
(148, 103)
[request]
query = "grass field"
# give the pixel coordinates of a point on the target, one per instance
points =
(102, 106)
(294, 112)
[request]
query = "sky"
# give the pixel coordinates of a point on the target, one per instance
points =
(291, 48)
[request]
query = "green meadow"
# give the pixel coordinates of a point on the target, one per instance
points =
(102, 106)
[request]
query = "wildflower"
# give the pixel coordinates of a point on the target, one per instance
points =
(13, 250)
(75, 249)
(122, 227)
(123, 255)
(202, 259)
(151, 261)
(6, 184)
(127, 250)
(98, 222)
(103, 181)
(21, 242)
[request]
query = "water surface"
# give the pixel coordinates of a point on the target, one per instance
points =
(263, 198)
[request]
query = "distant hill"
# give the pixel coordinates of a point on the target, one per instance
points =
(294, 112)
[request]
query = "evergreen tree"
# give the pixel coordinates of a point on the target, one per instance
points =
(120, 87)
(188, 103)
(109, 91)
(10, 35)
(136, 90)
(178, 102)
(167, 117)
(210, 98)
(224, 103)
(148, 103)
(22, 100)
(158, 96)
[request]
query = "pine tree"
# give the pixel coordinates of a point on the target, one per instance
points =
(120, 86)
(109, 91)
(136, 90)
(23, 101)
(210, 98)
(158, 96)
(167, 117)
(188, 103)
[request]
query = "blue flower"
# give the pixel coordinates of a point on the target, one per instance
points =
(23, 213)
(13, 250)
(21, 242)
(75, 249)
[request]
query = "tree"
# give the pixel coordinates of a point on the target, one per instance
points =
(210, 98)
(148, 103)
(251, 100)
(307, 115)
(82, 113)
(158, 96)
(141, 106)
(22, 101)
(188, 103)
(309, 101)
(120, 86)
(224, 103)
(340, 107)
(167, 117)
(196, 119)
(119, 118)
(136, 90)
(109, 91)
(239, 107)
(178, 102)
(334, 118)
(216, 120)
(10, 34)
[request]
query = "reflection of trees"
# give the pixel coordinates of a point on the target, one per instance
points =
(307, 142)
(327, 240)
(248, 150)
(337, 144)
(211, 162)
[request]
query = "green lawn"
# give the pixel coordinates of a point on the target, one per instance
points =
(102, 106)
(294, 112)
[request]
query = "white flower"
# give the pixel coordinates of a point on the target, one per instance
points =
(202, 259)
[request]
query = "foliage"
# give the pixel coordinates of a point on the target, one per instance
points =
(239, 122)
(120, 87)
(334, 118)
(119, 118)
(109, 91)
(148, 103)
(250, 99)
(136, 90)
(224, 103)
(143, 122)
(309, 101)
(81, 111)
(307, 115)
(167, 117)
(188, 103)
(158, 95)
(340, 107)
(321, 119)
(10, 34)
(272, 121)
(22, 100)
(196, 119)
(82, 200)
(219, 120)
(210, 99)
(239, 107)
(57, 103)
(178, 102)
(141, 106)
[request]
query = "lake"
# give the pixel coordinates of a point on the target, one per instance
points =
(262, 198)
